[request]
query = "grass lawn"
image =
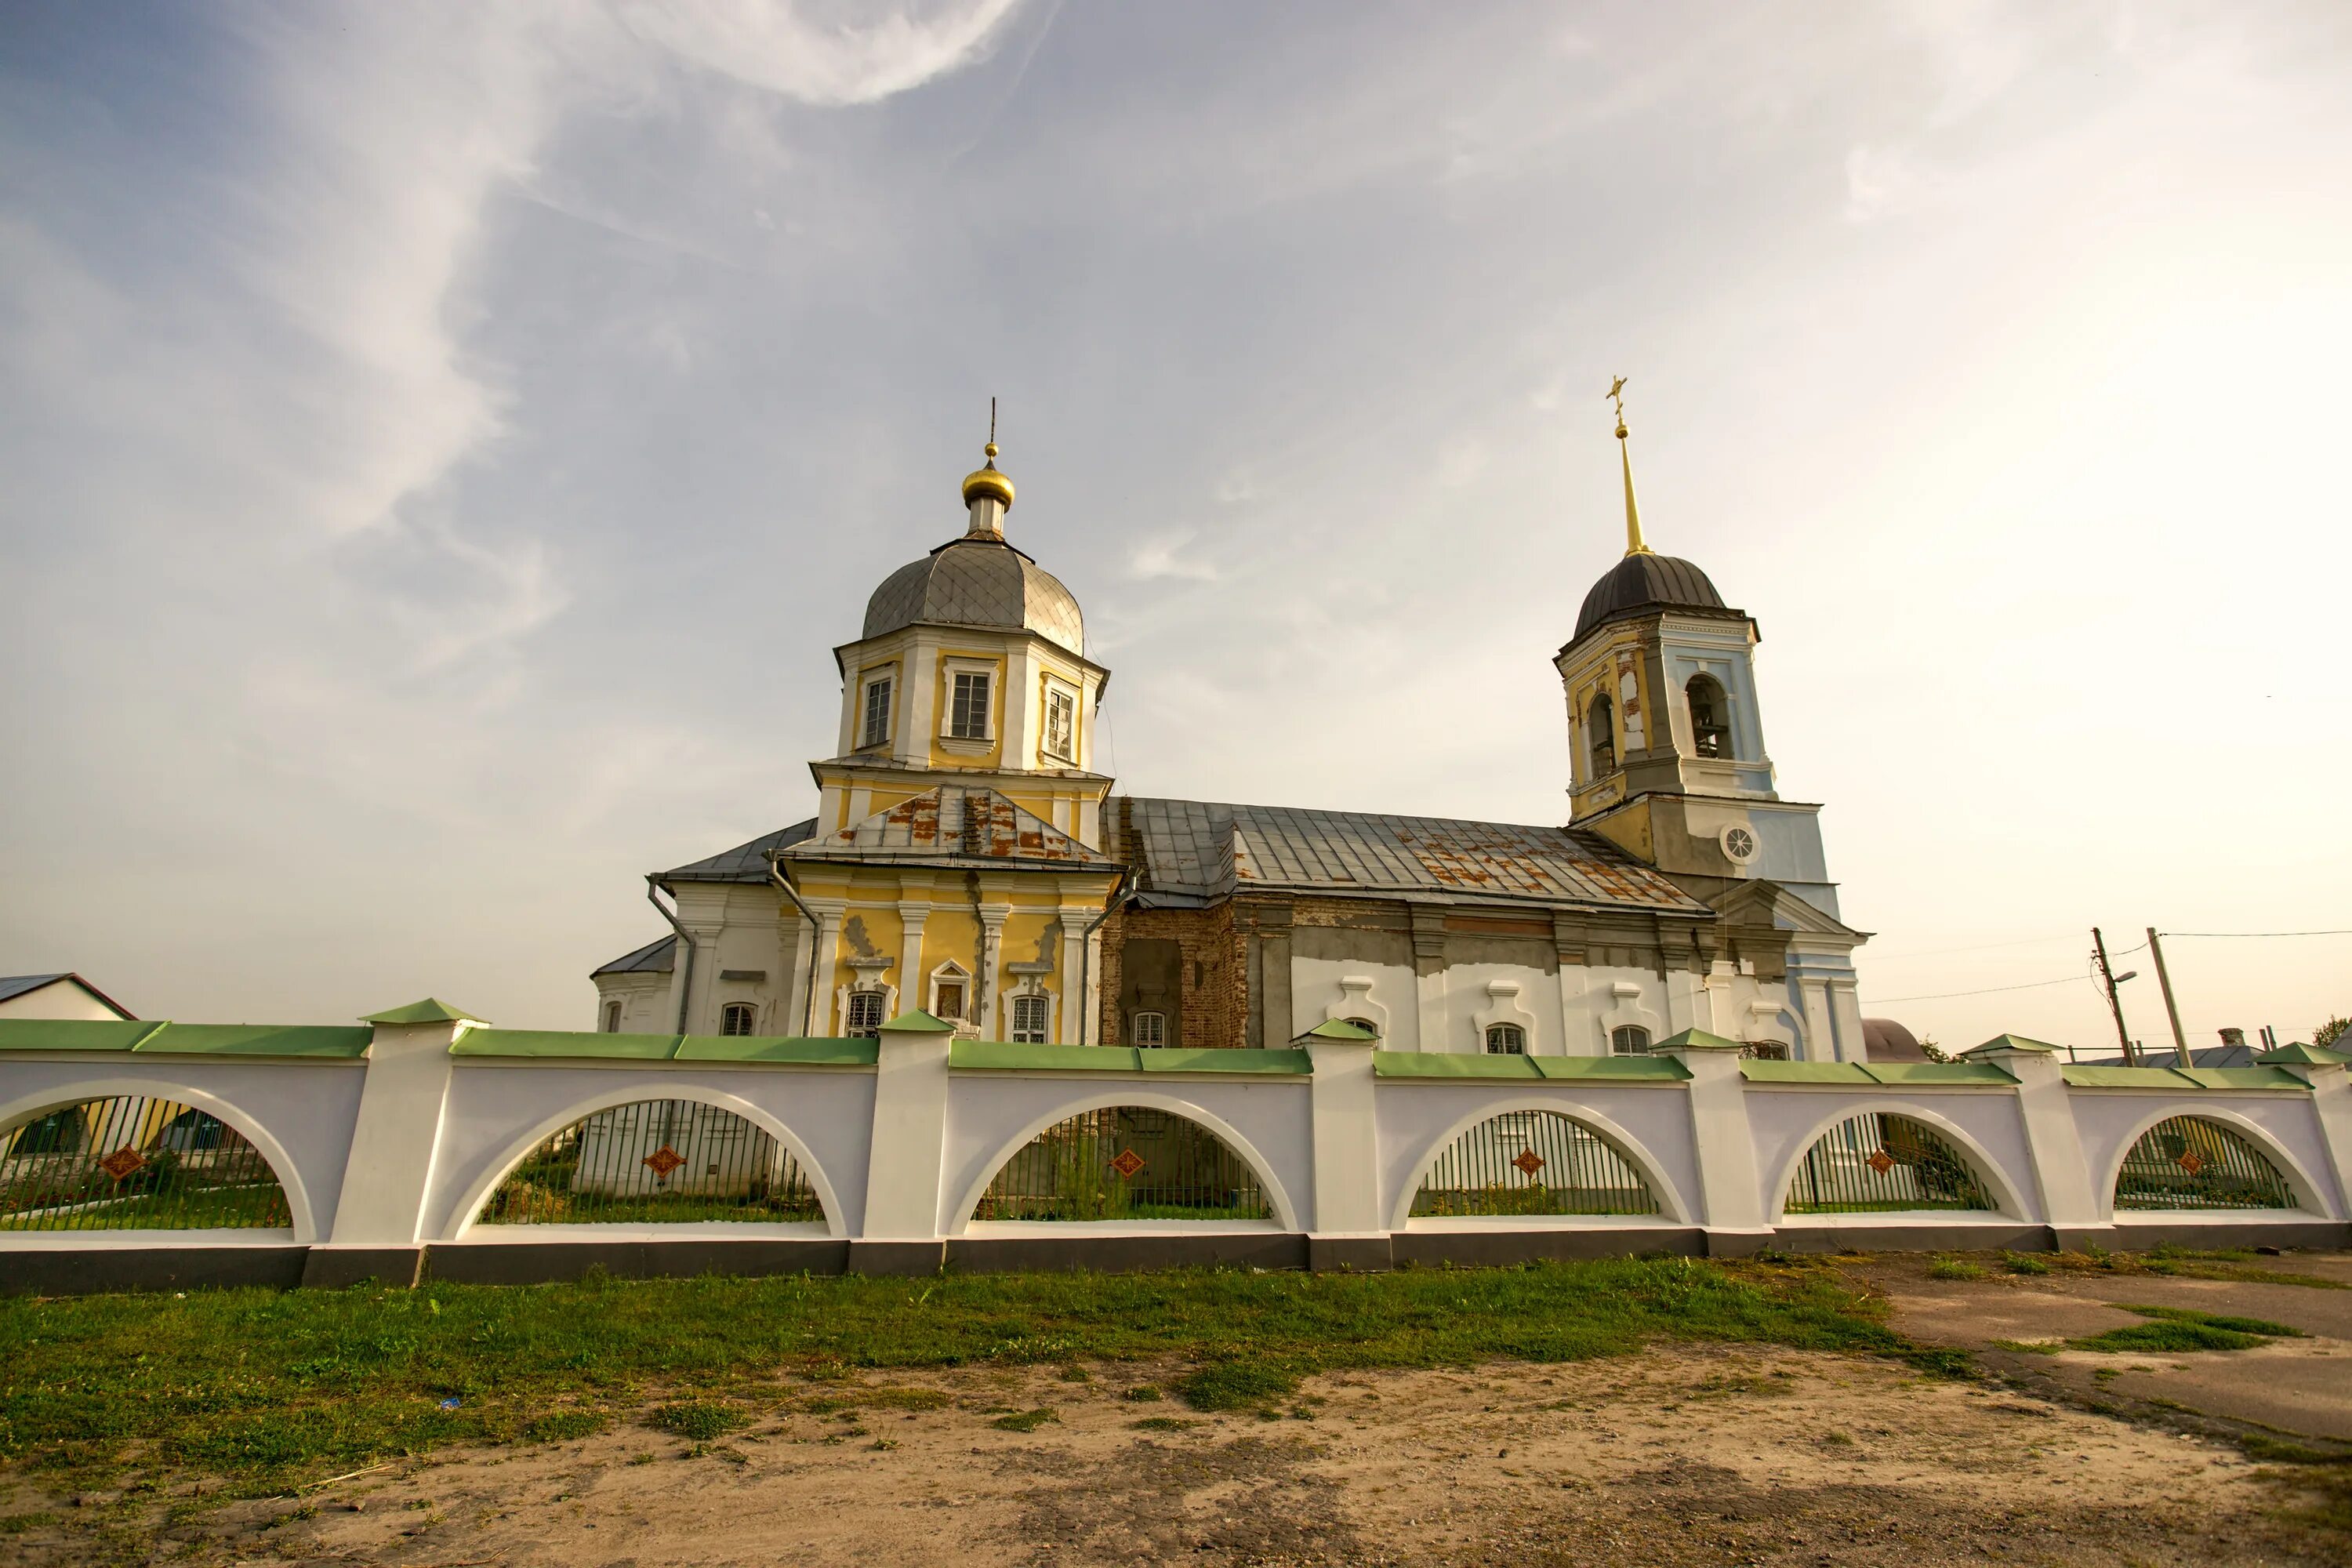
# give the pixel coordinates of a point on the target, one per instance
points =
(265, 1389)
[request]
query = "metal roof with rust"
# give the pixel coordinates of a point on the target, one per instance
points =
(1185, 851)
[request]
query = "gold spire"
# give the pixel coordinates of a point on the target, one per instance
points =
(984, 483)
(1633, 545)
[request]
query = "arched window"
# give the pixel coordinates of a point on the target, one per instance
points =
(1880, 1163)
(1032, 1016)
(135, 1162)
(1710, 715)
(1765, 1050)
(1505, 1040)
(1366, 1024)
(2189, 1163)
(738, 1018)
(658, 1162)
(1629, 1041)
(1124, 1162)
(613, 1017)
(1148, 1029)
(1531, 1162)
(1601, 736)
(862, 1019)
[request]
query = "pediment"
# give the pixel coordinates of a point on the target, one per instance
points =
(950, 823)
(1766, 904)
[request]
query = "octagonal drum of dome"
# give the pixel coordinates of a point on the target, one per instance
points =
(977, 583)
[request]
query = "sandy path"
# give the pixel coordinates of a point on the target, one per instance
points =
(1715, 1454)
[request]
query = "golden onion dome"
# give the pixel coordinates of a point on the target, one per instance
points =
(987, 481)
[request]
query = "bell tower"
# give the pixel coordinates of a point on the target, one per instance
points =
(1666, 735)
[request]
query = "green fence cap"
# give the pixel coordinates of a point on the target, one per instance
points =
(1695, 1040)
(1339, 1029)
(2013, 1043)
(432, 1010)
(915, 1021)
(2295, 1053)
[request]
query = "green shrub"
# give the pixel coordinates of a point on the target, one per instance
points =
(1954, 1268)
(2023, 1263)
(1023, 1420)
(562, 1427)
(700, 1419)
(1232, 1385)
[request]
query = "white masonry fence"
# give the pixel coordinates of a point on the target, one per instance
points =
(144, 1155)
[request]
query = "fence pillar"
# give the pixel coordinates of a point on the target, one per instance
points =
(900, 1231)
(2073, 1210)
(2331, 1103)
(1731, 1196)
(1347, 1229)
(379, 1228)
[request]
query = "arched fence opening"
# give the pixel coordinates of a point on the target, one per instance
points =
(1880, 1163)
(1125, 1161)
(2189, 1162)
(133, 1162)
(655, 1162)
(1531, 1162)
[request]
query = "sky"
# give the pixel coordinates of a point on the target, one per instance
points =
(443, 443)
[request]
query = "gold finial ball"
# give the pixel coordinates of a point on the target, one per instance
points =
(987, 481)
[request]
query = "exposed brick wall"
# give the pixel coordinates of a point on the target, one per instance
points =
(1213, 972)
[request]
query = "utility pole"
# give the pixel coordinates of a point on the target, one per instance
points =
(2171, 1010)
(2115, 1003)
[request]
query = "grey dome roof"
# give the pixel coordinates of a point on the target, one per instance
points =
(1646, 582)
(977, 582)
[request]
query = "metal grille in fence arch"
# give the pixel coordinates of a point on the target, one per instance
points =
(1532, 1162)
(655, 1162)
(1125, 1161)
(133, 1162)
(2189, 1162)
(1879, 1162)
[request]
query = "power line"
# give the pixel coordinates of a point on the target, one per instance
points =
(1987, 991)
(2258, 933)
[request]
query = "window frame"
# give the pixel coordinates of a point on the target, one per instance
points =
(955, 672)
(853, 1005)
(1041, 1032)
(1515, 1037)
(748, 1012)
(1158, 1029)
(609, 1020)
(887, 681)
(1616, 1041)
(1059, 694)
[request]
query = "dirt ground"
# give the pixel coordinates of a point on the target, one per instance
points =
(1682, 1455)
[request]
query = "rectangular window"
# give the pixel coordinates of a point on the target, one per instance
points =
(865, 1014)
(877, 712)
(1061, 725)
(968, 709)
(1148, 1029)
(1029, 1019)
(612, 1017)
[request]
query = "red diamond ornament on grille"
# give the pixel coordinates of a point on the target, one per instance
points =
(665, 1160)
(2190, 1160)
(1880, 1160)
(122, 1163)
(1529, 1161)
(1128, 1162)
